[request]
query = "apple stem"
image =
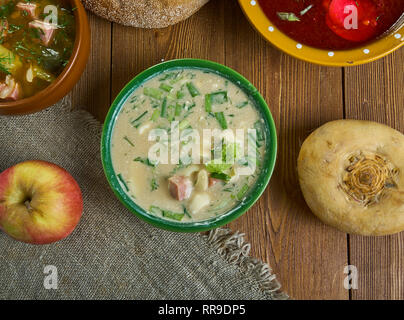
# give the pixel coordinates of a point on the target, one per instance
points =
(28, 205)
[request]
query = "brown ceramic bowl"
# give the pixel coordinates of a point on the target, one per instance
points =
(67, 79)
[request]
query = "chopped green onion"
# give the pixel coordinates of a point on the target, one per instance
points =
(213, 167)
(288, 16)
(183, 124)
(258, 126)
(180, 94)
(219, 97)
(221, 119)
(178, 110)
(122, 180)
(154, 184)
(128, 141)
(166, 87)
(303, 12)
(152, 92)
(242, 104)
(155, 115)
(155, 210)
(136, 123)
(220, 176)
(146, 161)
(171, 115)
(163, 113)
(193, 91)
(242, 192)
(208, 103)
(186, 212)
(173, 215)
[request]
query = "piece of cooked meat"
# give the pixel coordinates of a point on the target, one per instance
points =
(180, 187)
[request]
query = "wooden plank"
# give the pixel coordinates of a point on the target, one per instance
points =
(375, 92)
(307, 256)
(92, 92)
(134, 50)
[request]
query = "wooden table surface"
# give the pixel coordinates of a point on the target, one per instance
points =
(308, 257)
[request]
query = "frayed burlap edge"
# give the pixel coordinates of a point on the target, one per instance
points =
(235, 250)
(230, 245)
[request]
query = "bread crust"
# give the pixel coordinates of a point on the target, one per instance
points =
(144, 13)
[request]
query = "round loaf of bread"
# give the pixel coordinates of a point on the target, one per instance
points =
(144, 13)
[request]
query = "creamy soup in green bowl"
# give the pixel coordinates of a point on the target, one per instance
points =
(189, 145)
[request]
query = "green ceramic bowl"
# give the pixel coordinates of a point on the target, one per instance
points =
(268, 162)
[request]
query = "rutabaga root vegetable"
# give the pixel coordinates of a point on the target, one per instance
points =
(352, 176)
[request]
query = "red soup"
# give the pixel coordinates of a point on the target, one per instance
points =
(333, 24)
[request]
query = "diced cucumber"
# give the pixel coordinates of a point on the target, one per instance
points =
(152, 92)
(173, 215)
(9, 62)
(166, 87)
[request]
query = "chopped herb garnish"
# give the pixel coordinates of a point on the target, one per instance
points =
(153, 93)
(208, 103)
(287, 16)
(122, 180)
(166, 213)
(303, 12)
(242, 192)
(163, 113)
(221, 119)
(146, 162)
(136, 123)
(178, 109)
(173, 215)
(166, 87)
(154, 184)
(186, 212)
(180, 94)
(128, 141)
(219, 97)
(193, 91)
(155, 115)
(242, 104)
(221, 176)
(258, 126)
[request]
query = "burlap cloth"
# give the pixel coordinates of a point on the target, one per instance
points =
(112, 254)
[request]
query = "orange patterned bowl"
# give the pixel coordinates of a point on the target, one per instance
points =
(338, 58)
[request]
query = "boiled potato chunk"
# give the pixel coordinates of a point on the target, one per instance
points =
(198, 202)
(202, 181)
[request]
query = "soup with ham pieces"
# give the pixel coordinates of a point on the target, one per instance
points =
(36, 42)
(214, 139)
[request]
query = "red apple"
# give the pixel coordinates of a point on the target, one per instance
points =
(40, 202)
